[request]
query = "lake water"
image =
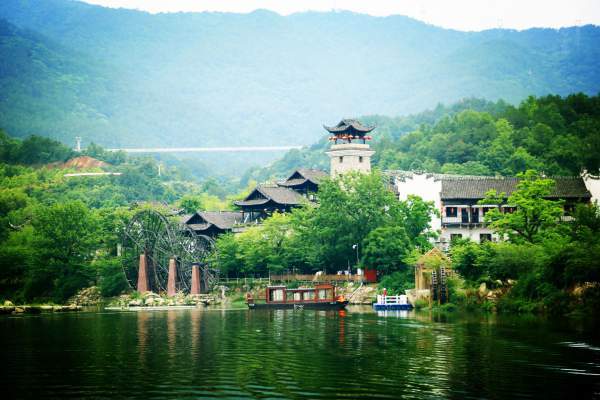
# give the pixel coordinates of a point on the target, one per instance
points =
(296, 354)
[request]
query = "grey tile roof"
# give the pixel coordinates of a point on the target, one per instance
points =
(255, 202)
(222, 219)
(292, 182)
(476, 188)
(277, 194)
(300, 176)
(199, 227)
(313, 175)
(281, 195)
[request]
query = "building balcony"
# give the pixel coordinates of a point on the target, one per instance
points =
(452, 220)
(459, 221)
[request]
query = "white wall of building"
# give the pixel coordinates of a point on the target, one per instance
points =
(592, 183)
(426, 187)
(467, 233)
(349, 157)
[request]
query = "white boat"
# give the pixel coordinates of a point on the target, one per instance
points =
(399, 302)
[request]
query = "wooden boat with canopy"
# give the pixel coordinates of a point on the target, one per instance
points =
(321, 297)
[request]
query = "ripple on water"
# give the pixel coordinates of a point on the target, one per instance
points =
(287, 354)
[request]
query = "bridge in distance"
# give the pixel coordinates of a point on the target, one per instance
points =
(233, 149)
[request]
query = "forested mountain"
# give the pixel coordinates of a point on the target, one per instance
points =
(552, 134)
(128, 78)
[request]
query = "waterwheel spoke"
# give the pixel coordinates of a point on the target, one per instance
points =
(150, 232)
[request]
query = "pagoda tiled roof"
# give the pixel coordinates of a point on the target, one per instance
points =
(221, 219)
(349, 126)
(262, 194)
(302, 175)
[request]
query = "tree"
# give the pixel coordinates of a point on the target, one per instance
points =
(64, 240)
(350, 207)
(416, 218)
(534, 217)
(226, 256)
(385, 248)
(190, 203)
(465, 259)
(468, 168)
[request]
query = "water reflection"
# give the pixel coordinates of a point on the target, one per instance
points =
(195, 321)
(142, 336)
(297, 354)
(393, 313)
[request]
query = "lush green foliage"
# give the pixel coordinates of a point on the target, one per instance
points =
(558, 270)
(59, 234)
(559, 136)
(357, 219)
(535, 216)
(32, 150)
(101, 72)
(399, 281)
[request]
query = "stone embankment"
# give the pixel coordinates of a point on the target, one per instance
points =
(356, 293)
(90, 296)
(9, 308)
(150, 299)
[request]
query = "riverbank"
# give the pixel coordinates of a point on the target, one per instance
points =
(9, 308)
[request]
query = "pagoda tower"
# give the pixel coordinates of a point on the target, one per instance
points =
(349, 151)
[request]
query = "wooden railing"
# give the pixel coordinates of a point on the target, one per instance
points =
(317, 278)
(292, 278)
(381, 299)
(245, 281)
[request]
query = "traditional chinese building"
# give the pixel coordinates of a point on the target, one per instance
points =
(266, 199)
(457, 198)
(349, 151)
(305, 181)
(213, 223)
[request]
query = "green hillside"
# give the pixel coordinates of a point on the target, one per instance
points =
(556, 135)
(128, 78)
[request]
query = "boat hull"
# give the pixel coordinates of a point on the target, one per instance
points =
(329, 305)
(382, 307)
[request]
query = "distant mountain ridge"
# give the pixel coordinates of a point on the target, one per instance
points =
(128, 78)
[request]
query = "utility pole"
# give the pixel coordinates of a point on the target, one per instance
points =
(355, 246)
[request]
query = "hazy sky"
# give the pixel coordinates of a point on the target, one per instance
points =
(457, 14)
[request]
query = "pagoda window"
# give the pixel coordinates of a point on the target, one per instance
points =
(341, 159)
(360, 159)
(451, 211)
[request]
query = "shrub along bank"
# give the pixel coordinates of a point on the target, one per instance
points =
(544, 266)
